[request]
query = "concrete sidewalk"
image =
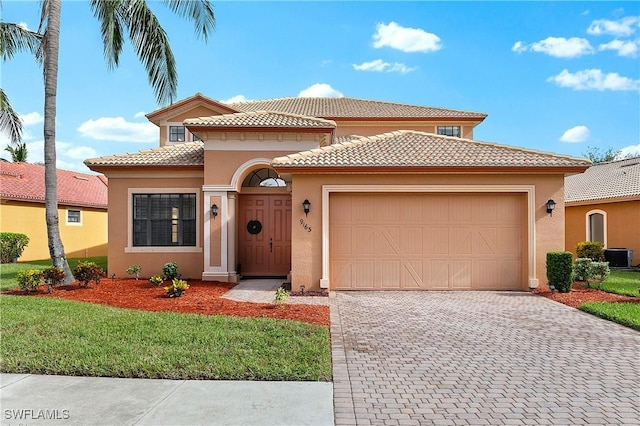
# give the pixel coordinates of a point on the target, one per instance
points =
(63, 400)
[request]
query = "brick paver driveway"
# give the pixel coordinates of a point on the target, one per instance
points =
(479, 358)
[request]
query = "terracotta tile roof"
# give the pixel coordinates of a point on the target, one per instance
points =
(407, 148)
(261, 119)
(616, 179)
(25, 181)
(184, 154)
(352, 108)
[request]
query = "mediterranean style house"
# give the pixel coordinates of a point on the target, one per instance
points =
(82, 210)
(603, 204)
(335, 193)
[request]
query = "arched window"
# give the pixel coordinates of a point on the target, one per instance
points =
(597, 226)
(264, 177)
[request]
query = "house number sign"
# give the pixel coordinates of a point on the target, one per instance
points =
(304, 225)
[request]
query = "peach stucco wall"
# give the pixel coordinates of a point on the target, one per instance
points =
(200, 111)
(623, 225)
(190, 264)
(307, 246)
(80, 240)
(365, 128)
(221, 165)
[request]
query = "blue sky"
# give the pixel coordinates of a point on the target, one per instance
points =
(552, 76)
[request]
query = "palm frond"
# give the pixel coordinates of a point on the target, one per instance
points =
(110, 28)
(18, 153)
(14, 39)
(10, 121)
(198, 11)
(151, 44)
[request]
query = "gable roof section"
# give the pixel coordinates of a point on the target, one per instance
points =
(354, 108)
(605, 181)
(418, 151)
(261, 120)
(184, 154)
(186, 104)
(25, 181)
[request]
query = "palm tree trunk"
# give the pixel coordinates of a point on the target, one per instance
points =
(56, 249)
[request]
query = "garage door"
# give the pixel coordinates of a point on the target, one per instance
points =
(427, 241)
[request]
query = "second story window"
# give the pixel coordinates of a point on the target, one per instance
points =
(195, 138)
(176, 134)
(449, 131)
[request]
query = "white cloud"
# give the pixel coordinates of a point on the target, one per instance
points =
(594, 79)
(23, 25)
(379, 65)
(31, 119)
(558, 47)
(623, 47)
(139, 114)
(405, 39)
(576, 134)
(629, 151)
(81, 153)
(320, 90)
(236, 98)
(117, 129)
(623, 27)
(68, 157)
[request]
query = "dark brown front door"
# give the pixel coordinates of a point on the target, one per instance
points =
(264, 235)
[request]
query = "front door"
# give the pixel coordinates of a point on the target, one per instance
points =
(264, 235)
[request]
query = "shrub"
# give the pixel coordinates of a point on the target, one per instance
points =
(30, 279)
(599, 271)
(559, 270)
(170, 271)
(177, 288)
(53, 276)
(281, 296)
(11, 246)
(581, 269)
(85, 272)
(156, 280)
(134, 270)
(594, 250)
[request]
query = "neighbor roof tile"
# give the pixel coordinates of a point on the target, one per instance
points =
(616, 179)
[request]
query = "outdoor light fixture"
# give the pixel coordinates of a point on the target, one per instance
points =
(306, 205)
(552, 288)
(214, 210)
(550, 206)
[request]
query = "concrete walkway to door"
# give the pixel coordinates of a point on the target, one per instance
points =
(458, 358)
(263, 290)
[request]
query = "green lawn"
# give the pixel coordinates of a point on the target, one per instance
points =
(8, 271)
(53, 336)
(623, 282)
(623, 313)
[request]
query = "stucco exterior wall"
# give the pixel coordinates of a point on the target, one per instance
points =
(86, 239)
(622, 224)
(199, 111)
(221, 165)
(307, 245)
(370, 128)
(190, 262)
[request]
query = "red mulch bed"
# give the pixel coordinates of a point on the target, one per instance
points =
(201, 298)
(580, 294)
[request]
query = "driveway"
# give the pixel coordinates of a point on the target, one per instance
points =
(479, 358)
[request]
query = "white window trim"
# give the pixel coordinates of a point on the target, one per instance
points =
(604, 225)
(169, 249)
(73, 223)
(529, 190)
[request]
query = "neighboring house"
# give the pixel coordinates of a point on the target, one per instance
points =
(337, 193)
(82, 210)
(603, 204)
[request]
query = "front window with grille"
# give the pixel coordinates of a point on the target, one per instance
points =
(164, 220)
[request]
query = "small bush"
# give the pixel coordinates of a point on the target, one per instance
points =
(134, 270)
(53, 276)
(599, 271)
(281, 296)
(177, 288)
(30, 279)
(559, 270)
(156, 280)
(581, 268)
(11, 246)
(593, 250)
(170, 271)
(85, 272)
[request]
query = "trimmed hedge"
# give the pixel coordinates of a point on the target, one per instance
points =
(593, 250)
(11, 246)
(560, 270)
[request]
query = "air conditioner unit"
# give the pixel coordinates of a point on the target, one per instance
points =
(618, 257)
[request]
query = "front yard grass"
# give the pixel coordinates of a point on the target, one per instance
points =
(50, 336)
(623, 313)
(9, 271)
(623, 282)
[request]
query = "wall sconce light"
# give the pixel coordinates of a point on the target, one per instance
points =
(550, 206)
(214, 210)
(306, 205)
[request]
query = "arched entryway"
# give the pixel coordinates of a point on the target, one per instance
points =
(264, 225)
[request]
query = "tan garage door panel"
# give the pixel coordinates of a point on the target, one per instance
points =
(426, 241)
